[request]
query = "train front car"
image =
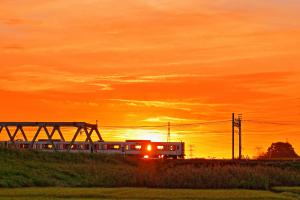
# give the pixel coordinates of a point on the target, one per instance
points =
(148, 149)
(168, 150)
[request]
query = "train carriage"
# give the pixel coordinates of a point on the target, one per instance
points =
(139, 148)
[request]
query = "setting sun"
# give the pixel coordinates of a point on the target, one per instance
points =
(143, 134)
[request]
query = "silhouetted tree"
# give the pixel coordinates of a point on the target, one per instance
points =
(279, 150)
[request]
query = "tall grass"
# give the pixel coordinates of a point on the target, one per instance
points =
(31, 168)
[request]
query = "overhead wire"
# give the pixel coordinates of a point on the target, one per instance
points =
(166, 125)
(282, 123)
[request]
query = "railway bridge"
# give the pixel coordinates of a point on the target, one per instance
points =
(50, 128)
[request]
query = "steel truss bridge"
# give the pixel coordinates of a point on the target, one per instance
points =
(50, 128)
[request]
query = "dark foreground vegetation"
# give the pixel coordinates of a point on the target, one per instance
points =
(30, 168)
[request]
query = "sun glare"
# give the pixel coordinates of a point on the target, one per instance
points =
(149, 147)
(143, 134)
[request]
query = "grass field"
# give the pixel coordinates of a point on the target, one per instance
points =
(40, 169)
(138, 193)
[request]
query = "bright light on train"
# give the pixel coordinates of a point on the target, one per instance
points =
(149, 147)
(146, 156)
(160, 147)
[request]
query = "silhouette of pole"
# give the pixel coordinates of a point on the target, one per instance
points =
(233, 125)
(169, 132)
(240, 136)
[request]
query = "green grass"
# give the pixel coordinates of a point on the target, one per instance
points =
(135, 193)
(40, 169)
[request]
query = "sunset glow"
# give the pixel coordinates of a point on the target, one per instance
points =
(149, 62)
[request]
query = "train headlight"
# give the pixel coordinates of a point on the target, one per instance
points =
(149, 147)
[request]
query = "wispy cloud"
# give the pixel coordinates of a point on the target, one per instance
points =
(12, 47)
(167, 119)
(12, 21)
(146, 78)
(103, 86)
(174, 104)
(35, 78)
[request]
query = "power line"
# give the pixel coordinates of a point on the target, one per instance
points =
(129, 127)
(281, 123)
(201, 123)
(164, 126)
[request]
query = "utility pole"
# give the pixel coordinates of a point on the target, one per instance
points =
(169, 132)
(233, 125)
(240, 136)
(237, 123)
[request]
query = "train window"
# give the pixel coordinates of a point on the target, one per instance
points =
(113, 146)
(127, 147)
(160, 147)
(172, 147)
(136, 147)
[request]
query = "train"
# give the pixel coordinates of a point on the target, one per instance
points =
(140, 148)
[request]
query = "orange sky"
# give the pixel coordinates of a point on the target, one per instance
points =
(147, 62)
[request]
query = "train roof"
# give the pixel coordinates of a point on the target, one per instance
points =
(138, 141)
